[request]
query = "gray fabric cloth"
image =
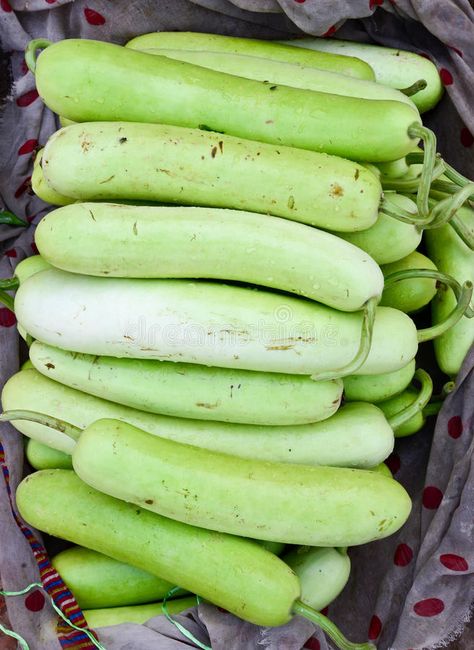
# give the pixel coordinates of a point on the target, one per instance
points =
(412, 590)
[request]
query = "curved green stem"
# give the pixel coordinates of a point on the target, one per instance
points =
(9, 284)
(31, 49)
(429, 141)
(6, 300)
(462, 231)
(10, 219)
(443, 278)
(418, 403)
(450, 320)
(364, 345)
(414, 88)
(333, 632)
(434, 405)
(449, 188)
(456, 177)
(411, 185)
(433, 408)
(46, 420)
(445, 210)
(390, 209)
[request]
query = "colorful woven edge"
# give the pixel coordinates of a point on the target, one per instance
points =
(52, 582)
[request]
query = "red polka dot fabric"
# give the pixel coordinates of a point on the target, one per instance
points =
(403, 555)
(93, 17)
(375, 628)
(408, 591)
(35, 601)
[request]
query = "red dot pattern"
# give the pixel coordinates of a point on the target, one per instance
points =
(11, 253)
(403, 555)
(466, 137)
(27, 99)
(325, 611)
(454, 562)
(330, 32)
(7, 317)
(34, 601)
(28, 147)
(312, 644)
(93, 17)
(455, 49)
(375, 3)
(455, 426)
(21, 189)
(429, 607)
(5, 5)
(34, 248)
(375, 628)
(446, 77)
(432, 497)
(393, 463)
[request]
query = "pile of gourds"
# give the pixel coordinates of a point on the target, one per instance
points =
(235, 253)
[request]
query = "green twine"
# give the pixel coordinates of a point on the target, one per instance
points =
(22, 642)
(20, 639)
(178, 625)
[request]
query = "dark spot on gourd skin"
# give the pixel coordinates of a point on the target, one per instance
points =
(213, 152)
(122, 140)
(107, 179)
(356, 174)
(206, 405)
(336, 190)
(50, 366)
(149, 501)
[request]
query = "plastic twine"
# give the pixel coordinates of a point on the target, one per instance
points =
(177, 624)
(21, 640)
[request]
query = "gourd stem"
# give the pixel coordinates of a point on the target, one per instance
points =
(447, 208)
(409, 186)
(418, 403)
(46, 420)
(460, 228)
(9, 284)
(433, 408)
(6, 300)
(10, 219)
(333, 632)
(390, 209)
(447, 389)
(414, 88)
(31, 49)
(449, 188)
(456, 177)
(443, 278)
(462, 231)
(429, 159)
(451, 320)
(364, 345)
